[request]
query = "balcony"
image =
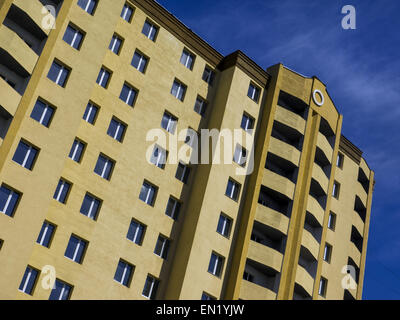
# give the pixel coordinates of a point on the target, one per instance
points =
(324, 145)
(327, 132)
(310, 243)
(357, 239)
(284, 151)
(272, 218)
(304, 279)
(253, 291)
(18, 49)
(262, 276)
(281, 184)
(360, 192)
(290, 119)
(320, 177)
(5, 122)
(23, 25)
(360, 208)
(293, 104)
(287, 134)
(315, 209)
(10, 98)
(357, 222)
(274, 200)
(354, 253)
(308, 261)
(321, 160)
(265, 255)
(33, 10)
(312, 225)
(318, 193)
(365, 171)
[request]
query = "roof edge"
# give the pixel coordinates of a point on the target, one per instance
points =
(157, 12)
(350, 149)
(247, 65)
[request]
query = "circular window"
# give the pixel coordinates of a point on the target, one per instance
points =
(318, 97)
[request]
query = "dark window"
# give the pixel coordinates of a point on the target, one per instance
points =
(73, 37)
(25, 155)
(42, 113)
(62, 191)
(76, 249)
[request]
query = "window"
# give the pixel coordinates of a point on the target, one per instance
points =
(150, 30)
(159, 157)
(173, 208)
(232, 189)
(46, 234)
(136, 232)
(178, 90)
(104, 167)
(240, 156)
(76, 249)
(191, 137)
(332, 220)
(28, 280)
(90, 113)
(25, 155)
(124, 273)
(148, 193)
(200, 106)
(127, 12)
(336, 189)
(253, 92)
(187, 59)
(208, 75)
(90, 206)
(115, 44)
(42, 113)
(206, 296)
(327, 252)
(247, 122)
(224, 225)
(150, 287)
(169, 122)
(182, 172)
(340, 160)
(248, 276)
(73, 37)
(8, 200)
(61, 291)
(323, 283)
(88, 5)
(128, 94)
(62, 191)
(77, 150)
(116, 129)
(103, 77)
(162, 246)
(58, 74)
(216, 264)
(139, 61)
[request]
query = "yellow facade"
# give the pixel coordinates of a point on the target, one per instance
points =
(279, 221)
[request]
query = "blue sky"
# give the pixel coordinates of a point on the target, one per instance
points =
(361, 70)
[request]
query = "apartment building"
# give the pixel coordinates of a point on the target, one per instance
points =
(87, 213)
